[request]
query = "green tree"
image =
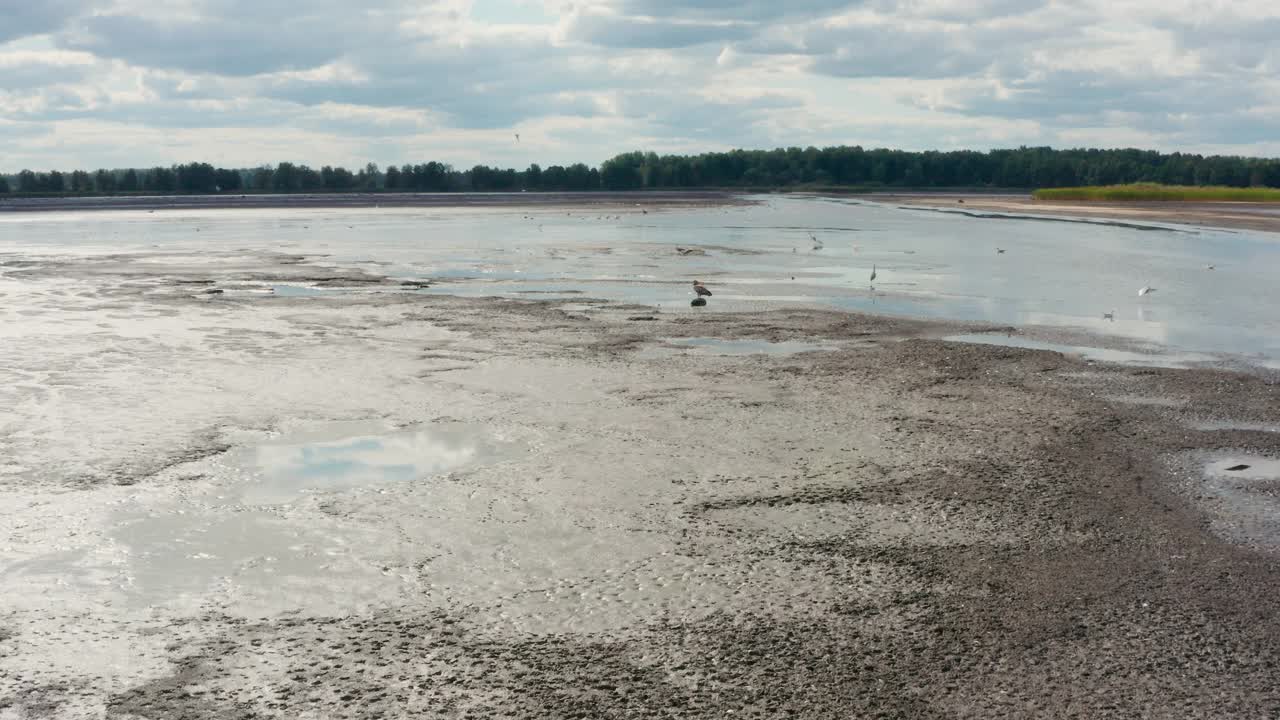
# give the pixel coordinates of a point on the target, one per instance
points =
(81, 182)
(104, 181)
(367, 179)
(225, 180)
(160, 179)
(286, 178)
(263, 178)
(130, 182)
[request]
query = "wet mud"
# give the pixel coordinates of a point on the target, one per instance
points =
(885, 524)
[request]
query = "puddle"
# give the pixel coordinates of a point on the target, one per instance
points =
(241, 545)
(1214, 425)
(718, 346)
(1164, 402)
(300, 291)
(177, 554)
(1243, 467)
(1242, 492)
(343, 457)
(1120, 357)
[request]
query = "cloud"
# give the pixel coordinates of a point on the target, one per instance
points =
(619, 31)
(19, 19)
(25, 70)
(236, 37)
(331, 81)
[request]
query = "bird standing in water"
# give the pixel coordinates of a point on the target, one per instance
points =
(873, 276)
(701, 289)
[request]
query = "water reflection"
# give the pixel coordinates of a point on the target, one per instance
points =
(287, 470)
(758, 257)
(719, 346)
(1122, 357)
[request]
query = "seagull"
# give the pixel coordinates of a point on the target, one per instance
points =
(1146, 290)
(701, 289)
(999, 251)
(1109, 316)
(1208, 267)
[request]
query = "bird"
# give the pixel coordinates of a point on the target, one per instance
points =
(873, 272)
(1208, 267)
(1146, 290)
(701, 289)
(817, 244)
(1109, 316)
(517, 137)
(999, 251)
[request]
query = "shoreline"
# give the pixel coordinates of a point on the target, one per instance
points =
(1264, 217)
(369, 200)
(1227, 215)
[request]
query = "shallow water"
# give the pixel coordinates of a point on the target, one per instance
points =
(718, 346)
(345, 456)
(1122, 357)
(1246, 499)
(928, 264)
(233, 541)
(1257, 468)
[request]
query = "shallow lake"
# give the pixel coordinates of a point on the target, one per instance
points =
(928, 264)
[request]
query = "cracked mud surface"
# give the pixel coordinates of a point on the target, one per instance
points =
(891, 526)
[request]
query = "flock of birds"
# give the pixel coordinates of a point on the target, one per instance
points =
(703, 293)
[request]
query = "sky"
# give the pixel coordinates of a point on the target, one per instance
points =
(240, 83)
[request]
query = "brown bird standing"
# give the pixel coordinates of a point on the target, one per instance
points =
(701, 289)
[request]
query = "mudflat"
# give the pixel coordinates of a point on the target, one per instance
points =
(607, 513)
(1236, 215)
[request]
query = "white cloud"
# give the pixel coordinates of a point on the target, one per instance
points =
(102, 82)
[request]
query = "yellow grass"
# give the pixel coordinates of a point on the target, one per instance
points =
(1173, 193)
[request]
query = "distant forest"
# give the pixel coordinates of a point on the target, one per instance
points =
(833, 167)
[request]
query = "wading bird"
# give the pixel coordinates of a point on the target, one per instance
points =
(701, 289)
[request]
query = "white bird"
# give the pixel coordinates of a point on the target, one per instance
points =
(1146, 290)
(1208, 267)
(517, 137)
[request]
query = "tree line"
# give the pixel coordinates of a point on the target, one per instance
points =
(843, 166)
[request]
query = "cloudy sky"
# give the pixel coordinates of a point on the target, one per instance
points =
(116, 83)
